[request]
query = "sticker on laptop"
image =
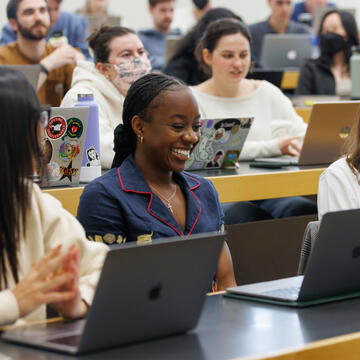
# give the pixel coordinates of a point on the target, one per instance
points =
(217, 160)
(74, 128)
(92, 156)
(230, 158)
(69, 150)
(56, 128)
(53, 171)
(68, 172)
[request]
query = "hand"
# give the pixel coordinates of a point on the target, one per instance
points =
(40, 285)
(63, 55)
(289, 145)
(75, 307)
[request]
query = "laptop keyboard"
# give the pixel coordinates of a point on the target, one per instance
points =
(286, 293)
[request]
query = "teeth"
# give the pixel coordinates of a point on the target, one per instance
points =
(181, 152)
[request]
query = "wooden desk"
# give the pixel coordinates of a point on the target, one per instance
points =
(304, 112)
(241, 185)
(290, 80)
(235, 329)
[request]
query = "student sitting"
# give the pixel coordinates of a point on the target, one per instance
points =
(30, 20)
(64, 26)
(339, 186)
(278, 23)
(304, 10)
(183, 64)
(44, 255)
(120, 59)
(94, 7)
(224, 52)
(330, 73)
(147, 194)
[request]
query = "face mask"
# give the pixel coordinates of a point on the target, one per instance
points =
(129, 71)
(331, 43)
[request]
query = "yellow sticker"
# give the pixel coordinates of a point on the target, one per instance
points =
(98, 238)
(121, 240)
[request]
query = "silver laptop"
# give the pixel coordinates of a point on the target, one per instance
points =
(31, 72)
(171, 43)
(329, 126)
(220, 144)
(331, 272)
(281, 51)
(63, 145)
(144, 292)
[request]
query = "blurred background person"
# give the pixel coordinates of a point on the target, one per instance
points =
(304, 10)
(94, 7)
(186, 17)
(183, 64)
(119, 59)
(278, 23)
(154, 40)
(330, 73)
(65, 27)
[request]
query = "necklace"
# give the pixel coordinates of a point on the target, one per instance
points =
(164, 198)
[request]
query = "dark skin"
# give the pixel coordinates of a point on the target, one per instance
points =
(169, 136)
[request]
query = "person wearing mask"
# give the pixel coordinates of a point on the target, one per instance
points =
(225, 53)
(30, 20)
(119, 59)
(304, 10)
(187, 17)
(44, 255)
(279, 22)
(154, 40)
(147, 194)
(183, 64)
(330, 73)
(65, 27)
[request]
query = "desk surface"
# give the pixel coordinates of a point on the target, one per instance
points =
(231, 328)
(242, 184)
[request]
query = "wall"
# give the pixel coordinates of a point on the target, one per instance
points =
(136, 15)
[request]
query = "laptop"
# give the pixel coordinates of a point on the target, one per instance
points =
(282, 51)
(270, 75)
(31, 72)
(63, 146)
(331, 273)
(220, 144)
(329, 126)
(144, 292)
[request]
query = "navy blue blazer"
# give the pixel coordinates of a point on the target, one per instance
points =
(119, 207)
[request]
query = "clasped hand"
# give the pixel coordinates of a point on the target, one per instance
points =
(53, 280)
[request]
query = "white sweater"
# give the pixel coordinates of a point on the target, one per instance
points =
(88, 80)
(47, 226)
(273, 112)
(339, 188)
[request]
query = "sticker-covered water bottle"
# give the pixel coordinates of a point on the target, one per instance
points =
(91, 165)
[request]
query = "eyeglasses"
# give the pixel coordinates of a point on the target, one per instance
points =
(45, 116)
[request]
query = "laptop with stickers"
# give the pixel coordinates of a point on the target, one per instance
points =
(155, 295)
(331, 271)
(220, 144)
(63, 145)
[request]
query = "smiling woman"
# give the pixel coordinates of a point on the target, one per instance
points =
(147, 194)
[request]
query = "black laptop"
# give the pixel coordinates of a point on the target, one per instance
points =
(144, 292)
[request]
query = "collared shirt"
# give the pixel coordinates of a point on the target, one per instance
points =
(119, 207)
(260, 29)
(72, 26)
(155, 43)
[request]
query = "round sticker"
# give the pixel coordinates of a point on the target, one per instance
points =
(69, 150)
(74, 128)
(56, 128)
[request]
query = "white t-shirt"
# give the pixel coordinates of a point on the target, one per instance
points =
(339, 188)
(273, 112)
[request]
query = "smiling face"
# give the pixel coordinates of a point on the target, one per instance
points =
(172, 132)
(231, 58)
(32, 19)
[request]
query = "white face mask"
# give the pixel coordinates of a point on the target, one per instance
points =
(129, 71)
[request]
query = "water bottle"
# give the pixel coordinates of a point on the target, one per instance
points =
(91, 166)
(355, 73)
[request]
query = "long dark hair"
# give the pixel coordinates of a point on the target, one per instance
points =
(19, 147)
(349, 23)
(140, 100)
(352, 148)
(214, 32)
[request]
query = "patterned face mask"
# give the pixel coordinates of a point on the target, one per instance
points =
(129, 71)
